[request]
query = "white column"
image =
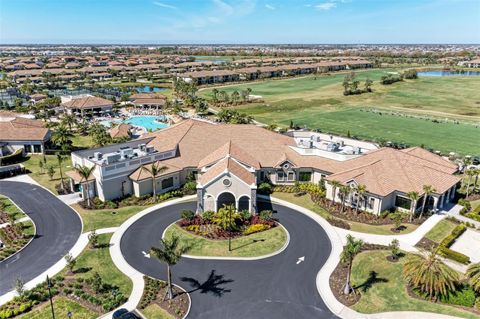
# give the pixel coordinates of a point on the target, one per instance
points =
(435, 204)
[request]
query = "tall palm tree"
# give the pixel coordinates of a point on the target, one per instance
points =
(360, 190)
(427, 191)
(62, 137)
(350, 250)
(85, 173)
(473, 275)
(344, 191)
(413, 196)
(170, 253)
(60, 160)
(154, 170)
(335, 186)
(477, 173)
(470, 173)
(69, 120)
(430, 274)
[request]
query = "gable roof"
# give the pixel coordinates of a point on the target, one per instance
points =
(121, 130)
(140, 174)
(229, 149)
(227, 165)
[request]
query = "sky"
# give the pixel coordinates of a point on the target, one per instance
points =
(239, 21)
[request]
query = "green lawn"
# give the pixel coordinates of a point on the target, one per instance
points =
(61, 307)
(387, 291)
(104, 218)
(306, 202)
(99, 260)
(31, 164)
(407, 108)
(441, 230)
(254, 245)
(153, 311)
(11, 208)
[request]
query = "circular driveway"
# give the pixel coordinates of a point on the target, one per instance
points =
(281, 286)
(57, 226)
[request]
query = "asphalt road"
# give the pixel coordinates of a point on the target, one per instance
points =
(275, 287)
(57, 225)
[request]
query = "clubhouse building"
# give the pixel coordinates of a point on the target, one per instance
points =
(229, 161)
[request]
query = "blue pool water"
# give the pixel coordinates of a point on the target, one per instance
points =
(148, 89)
(148, 122)
(448, 73)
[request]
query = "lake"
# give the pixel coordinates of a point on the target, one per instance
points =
(148, 89)
(448, 73)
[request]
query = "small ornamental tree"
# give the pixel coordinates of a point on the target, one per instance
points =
(93, 239)
(71, 261)
(394, 249)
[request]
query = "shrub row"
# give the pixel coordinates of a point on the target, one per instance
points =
(464, 296)
(456, 232)
(255, 228)
(446, 252)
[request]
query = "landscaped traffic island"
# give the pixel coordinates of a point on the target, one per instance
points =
(208, 234)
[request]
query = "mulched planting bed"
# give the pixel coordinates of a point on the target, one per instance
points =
(209, 224)
(155, 292)
(426, 244)
(339, 276)
(13, 239)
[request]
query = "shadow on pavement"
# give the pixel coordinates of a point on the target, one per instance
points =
(211, 285)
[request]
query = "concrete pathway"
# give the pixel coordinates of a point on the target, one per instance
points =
(59, 266)
(70, 199)
(22, 178)
(469, 244)
(337, 238)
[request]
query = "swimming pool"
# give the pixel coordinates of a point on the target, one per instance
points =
(148, 122)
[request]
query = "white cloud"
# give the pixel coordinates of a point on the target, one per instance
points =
(326, 6)
(225, 8)
(269, 7)
(164, 5)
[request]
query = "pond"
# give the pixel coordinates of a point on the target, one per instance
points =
(148, 89)
(438, 73)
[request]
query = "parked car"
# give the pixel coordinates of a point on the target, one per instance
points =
(124, 314)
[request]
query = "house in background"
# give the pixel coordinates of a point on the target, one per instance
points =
(20, 133)
(87, 105)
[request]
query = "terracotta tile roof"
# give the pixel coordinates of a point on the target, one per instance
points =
(87, 103)
(121, 130)
(232, 150)
(195, 140)
(227, 165)
(423, 154)
(22, 129)
(149, 102)
(140, 174)
(147, 96)
(387, 170)
(77, 178)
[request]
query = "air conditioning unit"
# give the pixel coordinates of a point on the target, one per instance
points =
(142, 147)
(98, 156)
(150, 149)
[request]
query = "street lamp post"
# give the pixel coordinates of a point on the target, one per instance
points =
(69, 314)
(230, 229)
(49, 286)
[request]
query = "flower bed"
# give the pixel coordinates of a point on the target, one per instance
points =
(226, 224)
(92, 293)
(155, 292)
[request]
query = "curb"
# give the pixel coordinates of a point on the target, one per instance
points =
(285, 245)
(31, 239)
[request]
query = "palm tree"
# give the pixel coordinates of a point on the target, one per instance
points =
(344, 191)
(413, 196)
(360, 190)
(60, 160)
(470, 173)
(473, 275)
(477, 173)
(350, 250)
(170, 253)
(429, 274)
(215, 97)
(154, 170)
(335, 185)
(85, 173)
(62, 137)
(427, 191)
(69, 120)
(225, 218)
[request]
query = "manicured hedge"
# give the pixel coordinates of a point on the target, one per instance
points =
(446, 252)
(456, 232)
(454, 255)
